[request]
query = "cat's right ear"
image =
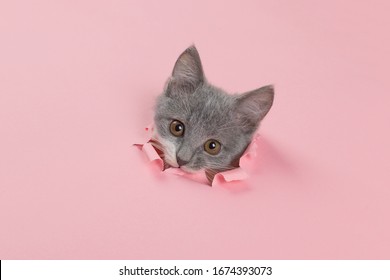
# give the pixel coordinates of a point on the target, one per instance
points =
(253, 106)
(187, 73)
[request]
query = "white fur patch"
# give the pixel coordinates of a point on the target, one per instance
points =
(169, 150)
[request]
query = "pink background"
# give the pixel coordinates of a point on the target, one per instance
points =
(78, 81)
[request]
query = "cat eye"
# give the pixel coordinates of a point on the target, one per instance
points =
(177, 128)
(212, 147)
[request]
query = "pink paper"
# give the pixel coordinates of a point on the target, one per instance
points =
(77, 83)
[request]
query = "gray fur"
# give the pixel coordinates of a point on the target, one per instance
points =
(207, 113)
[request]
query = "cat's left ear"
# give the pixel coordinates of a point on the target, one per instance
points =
(187, 73)
(253, 106)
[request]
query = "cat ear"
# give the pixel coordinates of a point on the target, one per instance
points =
(187, 74)
(253, 106)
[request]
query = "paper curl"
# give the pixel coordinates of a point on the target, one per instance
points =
(236, 174)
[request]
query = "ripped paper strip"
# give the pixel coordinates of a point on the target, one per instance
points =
(237, 174)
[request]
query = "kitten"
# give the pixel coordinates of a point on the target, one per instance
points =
(201, 127)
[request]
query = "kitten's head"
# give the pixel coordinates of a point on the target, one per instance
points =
(200, 126)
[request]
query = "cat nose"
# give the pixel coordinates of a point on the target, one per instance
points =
(181, 162)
